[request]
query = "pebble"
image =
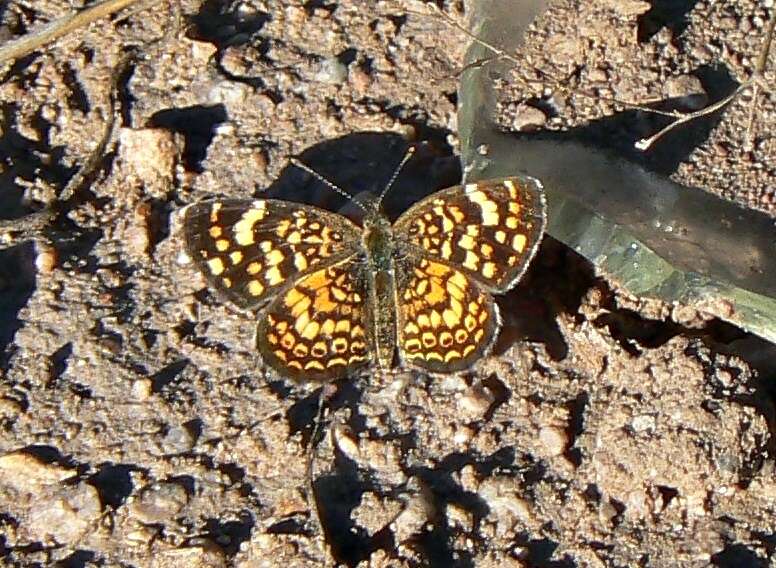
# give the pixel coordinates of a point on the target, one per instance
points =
(332, 71)
(65, 516)
(411, 520)
(208, 555)
(554, 439)
(476, 402)
(374, 513)
(9, 408)
(506, 507)
(229, 93)
(628, 7)
(460, 518)
(688, 89)
(177, 440)
(46, 258)
(361, 80)
(141, 389)
(159, 503)
(150, 152)
(345, 442)
(22, 472)
(528, 118)
(643, 423)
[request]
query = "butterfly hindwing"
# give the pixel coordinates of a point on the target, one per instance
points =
(445, 320)
(317, 328)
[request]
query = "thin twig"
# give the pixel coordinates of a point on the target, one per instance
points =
(52, 31)
(682, 117)
(756, 82)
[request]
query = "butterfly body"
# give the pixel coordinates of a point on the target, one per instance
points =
(333, 297)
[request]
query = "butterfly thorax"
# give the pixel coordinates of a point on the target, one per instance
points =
(378, 242)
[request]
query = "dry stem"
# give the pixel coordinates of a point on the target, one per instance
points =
(52, 31)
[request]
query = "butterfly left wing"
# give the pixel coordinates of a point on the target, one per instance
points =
(247, 249)
(317, 328)
(445, 320)
(491, 229)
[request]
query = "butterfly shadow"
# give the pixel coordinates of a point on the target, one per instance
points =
(363, 163)
(555, 284)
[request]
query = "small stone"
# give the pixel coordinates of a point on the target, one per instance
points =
(229, 93)
(345, 442)
(10, 408)
(159, 503)
(374, 513)
(138, 239)
(65, 516)
(628, 7)
(23, 472)
(506, 507)
(688, 91)
(290, 502)
(528, 118)
(460, 518)
(142, 389)
(411, 520)
(46, 259)
(207, 555)
(177, 441)
(151, 152)
(463, 435)
(332, 71)
(476, 402)
(642, 423)
(360, 79)
(202, 51)
(141, 536)
(554, 440)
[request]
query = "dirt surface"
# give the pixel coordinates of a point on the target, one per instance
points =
(139, 426)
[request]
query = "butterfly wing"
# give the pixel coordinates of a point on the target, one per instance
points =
(490, 229)
(247, 249)
(445, 320)
(317, 328)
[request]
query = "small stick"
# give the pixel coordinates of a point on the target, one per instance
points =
(52, 31)
(756, 82)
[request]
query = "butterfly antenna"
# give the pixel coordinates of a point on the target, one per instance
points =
(404, 160)
(327, 183)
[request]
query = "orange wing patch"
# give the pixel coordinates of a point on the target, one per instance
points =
(445, 320)
(316, 329)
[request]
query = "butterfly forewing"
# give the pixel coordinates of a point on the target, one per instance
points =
(490, 229)
(249, 249)
(316, 329)
(446, 321)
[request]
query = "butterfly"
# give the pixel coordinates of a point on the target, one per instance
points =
(333, 297)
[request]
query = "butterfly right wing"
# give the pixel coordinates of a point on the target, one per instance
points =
(446, 321)
(248, 249)
(491, 229)
(317, 328)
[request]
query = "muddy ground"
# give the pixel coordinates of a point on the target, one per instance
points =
(139, 426)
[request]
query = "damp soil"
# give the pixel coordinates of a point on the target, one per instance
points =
(138, 425)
